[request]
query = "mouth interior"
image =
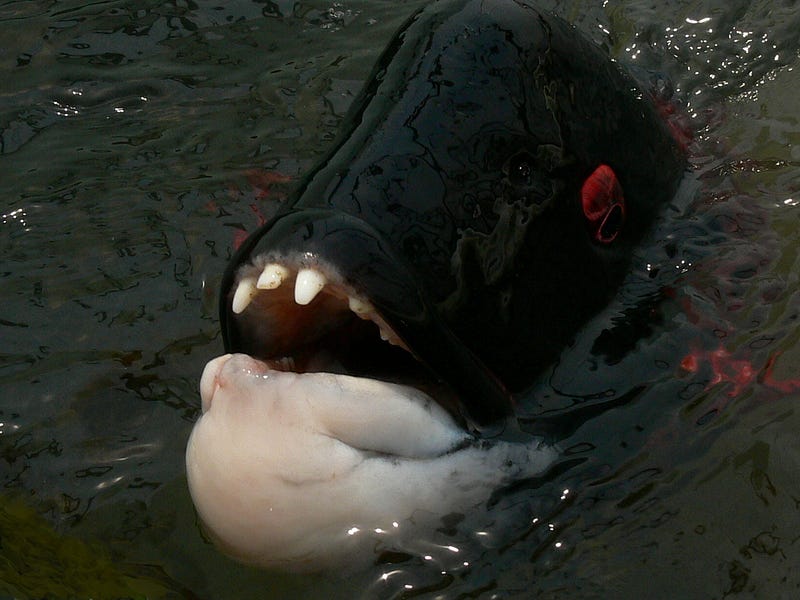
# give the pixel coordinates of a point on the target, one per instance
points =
(306, 319)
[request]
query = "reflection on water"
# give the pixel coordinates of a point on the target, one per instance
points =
(127, 133)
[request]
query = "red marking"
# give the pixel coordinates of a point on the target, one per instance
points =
(677, 122)
(690, 363)
(739, 372)
(727, 369)
(260, 219)
(239, 236)
(785, 385)
(263, 181)
(603, 204)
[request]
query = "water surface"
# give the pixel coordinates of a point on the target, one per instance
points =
(138, 141)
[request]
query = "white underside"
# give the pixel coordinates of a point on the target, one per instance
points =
(302, 472)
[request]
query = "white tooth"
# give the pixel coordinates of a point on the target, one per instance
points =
(272, 277)
(360, 307)
(243, 295)
(389, 336)
(309, 283)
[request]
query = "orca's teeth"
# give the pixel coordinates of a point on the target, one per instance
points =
(309, 283)
(243, 295)
(390, 337)
(361, 308)
(272, 277)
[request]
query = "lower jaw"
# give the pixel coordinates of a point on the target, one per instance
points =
(338, 486)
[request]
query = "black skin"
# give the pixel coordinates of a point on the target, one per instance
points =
(452, 200)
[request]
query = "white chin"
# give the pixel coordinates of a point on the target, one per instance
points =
(303, 472)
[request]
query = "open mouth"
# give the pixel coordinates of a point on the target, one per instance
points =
(306, 318)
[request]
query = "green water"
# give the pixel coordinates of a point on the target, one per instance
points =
(133, 142)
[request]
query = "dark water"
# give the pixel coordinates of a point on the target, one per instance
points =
(134, 142)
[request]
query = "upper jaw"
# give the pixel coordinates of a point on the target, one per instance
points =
(281, 288)
(321, 289)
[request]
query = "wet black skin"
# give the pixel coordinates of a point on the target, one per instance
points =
(452, 200)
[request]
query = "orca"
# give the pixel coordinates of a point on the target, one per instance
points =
(480, 206)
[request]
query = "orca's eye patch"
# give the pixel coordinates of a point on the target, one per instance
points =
(603, 204)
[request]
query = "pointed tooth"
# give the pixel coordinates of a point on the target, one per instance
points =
(272, 276)
(309, 283)
(391, 337)
(361, 308)
(243, 295)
